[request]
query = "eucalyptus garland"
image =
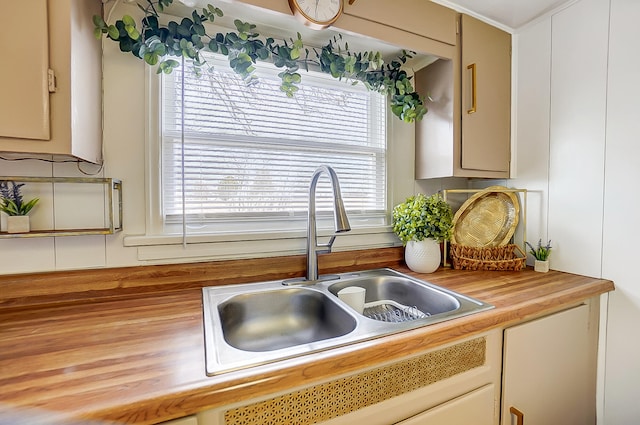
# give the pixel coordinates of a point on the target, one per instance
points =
(161, 46)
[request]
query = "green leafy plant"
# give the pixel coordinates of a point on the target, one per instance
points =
(421, 217)
(165, 45)
(541, 252)
(11, 201)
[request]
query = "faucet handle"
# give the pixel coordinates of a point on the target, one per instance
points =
(327, 246)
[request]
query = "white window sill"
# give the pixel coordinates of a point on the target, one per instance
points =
(170, 248)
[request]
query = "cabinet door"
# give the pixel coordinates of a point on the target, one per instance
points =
(486, 97)
(476, 407)
(24, 103)
(420, 17)
(549, 370)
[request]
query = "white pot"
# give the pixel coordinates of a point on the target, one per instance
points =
(423, 256)
(18, 224)
(541, 266)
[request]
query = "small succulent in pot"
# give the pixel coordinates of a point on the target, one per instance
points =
(421, 217)
(541, 252)
(11, 201)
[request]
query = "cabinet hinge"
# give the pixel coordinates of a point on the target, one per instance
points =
(51, 80)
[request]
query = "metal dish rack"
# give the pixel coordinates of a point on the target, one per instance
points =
(391, 311)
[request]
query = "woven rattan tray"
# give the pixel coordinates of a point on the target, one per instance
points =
(487, 219)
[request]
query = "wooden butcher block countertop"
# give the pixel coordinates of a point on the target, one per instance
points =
(126, 345)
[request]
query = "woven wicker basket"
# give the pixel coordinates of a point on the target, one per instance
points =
(503, 257)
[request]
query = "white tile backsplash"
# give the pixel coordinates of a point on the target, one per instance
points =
(62, 206)
(80, 252)
(23, 255)
(24, 167)
(79, 206)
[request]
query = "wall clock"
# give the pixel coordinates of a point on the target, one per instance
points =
(317, 14)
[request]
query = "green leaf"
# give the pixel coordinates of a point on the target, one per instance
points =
(184, 30)
(152, 22)
(199, 29)
(151, 58)
(196, 18)
(128, 20)
(113, 32)
(98, 22)
(173, 28)
(132, 32)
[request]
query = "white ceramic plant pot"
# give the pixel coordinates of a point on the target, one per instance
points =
(541, 266)
(18, 224)
(423, 256)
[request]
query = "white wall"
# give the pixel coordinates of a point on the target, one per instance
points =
(592, 167)
(622, 174)
(579, 37)
(532, 82)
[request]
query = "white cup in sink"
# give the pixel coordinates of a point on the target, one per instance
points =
(354, 297)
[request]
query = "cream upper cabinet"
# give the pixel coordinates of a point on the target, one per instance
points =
(549, 374)
(424, 18)
(24, 104)
(52, 92)
(486, 97)
(467, 132)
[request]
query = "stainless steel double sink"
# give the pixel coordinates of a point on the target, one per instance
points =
(255, 324)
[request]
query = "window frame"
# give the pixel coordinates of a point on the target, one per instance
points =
(297, 145)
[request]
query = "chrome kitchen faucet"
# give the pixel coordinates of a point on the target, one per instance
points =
(340, 217)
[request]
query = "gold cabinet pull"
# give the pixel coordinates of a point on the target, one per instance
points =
(519, 415)
(472, 67)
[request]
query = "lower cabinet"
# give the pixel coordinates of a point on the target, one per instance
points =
(477, 408)
(439, 386)
(549, 369)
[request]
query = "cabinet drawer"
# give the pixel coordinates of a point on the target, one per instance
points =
(475, 408)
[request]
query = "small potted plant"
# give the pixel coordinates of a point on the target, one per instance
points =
(541, 254)
(12, 204)
(421, 223)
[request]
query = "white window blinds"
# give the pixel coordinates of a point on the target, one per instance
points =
(247, 153)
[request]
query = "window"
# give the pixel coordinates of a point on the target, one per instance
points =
(245, 158)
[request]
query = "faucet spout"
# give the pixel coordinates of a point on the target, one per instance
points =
(340, 217)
